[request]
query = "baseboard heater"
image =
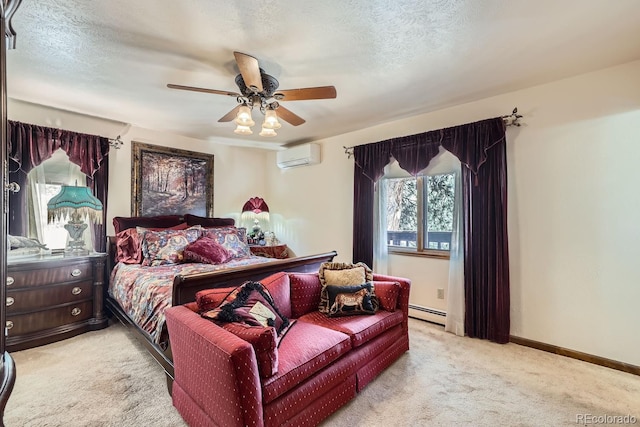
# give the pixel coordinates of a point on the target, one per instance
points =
(428, 310)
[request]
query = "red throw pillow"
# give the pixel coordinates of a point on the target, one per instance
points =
(208, 299)
(129, 243)
(129, 250)
(231, 238)
(387, 293)
(264, 343)
(206, 251)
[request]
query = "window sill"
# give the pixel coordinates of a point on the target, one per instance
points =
(427, 253)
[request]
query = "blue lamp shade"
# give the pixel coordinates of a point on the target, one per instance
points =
(76, 203)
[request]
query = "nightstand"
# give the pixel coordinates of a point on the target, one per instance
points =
(275, 251)
(53, 297)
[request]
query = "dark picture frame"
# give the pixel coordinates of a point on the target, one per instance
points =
(169, 181)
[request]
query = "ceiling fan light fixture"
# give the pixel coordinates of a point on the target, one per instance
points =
(266, 132)
(243, 118)
(271, 120)
(243, 130)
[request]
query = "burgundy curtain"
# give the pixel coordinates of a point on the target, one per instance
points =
(370, 160)
(481, 148)
(29, 145)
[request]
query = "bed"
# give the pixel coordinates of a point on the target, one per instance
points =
(139, 294)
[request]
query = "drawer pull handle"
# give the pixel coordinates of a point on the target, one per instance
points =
(76, 272)
(76, 291)
(9, 324)
(76, 311)
(10, 280)
(10, 301)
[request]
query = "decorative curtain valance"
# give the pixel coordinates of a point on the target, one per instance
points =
(30, 145)
(468, 142)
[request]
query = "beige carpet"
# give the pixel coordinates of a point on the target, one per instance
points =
(105, 378)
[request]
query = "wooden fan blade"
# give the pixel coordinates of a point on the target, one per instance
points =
(288, 116)
(322, 92)
(250, 70)
(200, 89)
(230, 115)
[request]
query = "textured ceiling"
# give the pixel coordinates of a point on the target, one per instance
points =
(387, 58)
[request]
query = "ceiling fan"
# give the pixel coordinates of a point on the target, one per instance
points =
(260, 90)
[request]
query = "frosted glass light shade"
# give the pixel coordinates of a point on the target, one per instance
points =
(243, 118)
(267, 132)
(243, 130)
(271, 120)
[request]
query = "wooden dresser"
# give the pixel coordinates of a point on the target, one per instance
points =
(53, 297)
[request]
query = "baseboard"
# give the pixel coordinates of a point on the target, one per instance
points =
(585, 357)
(428, 314)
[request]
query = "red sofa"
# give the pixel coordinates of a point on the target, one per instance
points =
(319, 365)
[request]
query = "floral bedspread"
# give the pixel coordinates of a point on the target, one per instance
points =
(144, 293)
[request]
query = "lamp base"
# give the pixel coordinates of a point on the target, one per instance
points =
(76, 243)
(76, 248)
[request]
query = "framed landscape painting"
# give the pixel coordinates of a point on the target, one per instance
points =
(168, 181)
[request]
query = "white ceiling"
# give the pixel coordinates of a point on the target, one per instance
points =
(387, 58)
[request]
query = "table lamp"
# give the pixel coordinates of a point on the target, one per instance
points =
(77, 204)
(255, 209)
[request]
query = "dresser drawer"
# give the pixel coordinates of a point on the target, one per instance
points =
(38, 298)
(48, 319)
(56, 274)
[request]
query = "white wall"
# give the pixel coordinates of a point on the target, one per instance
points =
(238, 172)
(573, 208)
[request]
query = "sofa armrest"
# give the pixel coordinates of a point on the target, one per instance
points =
(403, 295)
(215, 368)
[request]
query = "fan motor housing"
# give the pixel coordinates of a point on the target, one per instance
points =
(269, 84)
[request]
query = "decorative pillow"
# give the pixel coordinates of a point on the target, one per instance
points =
(351, 300)
(129, 243)
(208, 222)
(167, 246)
(387, 293)
(208, 299)
(232, 239)
(252, 304)
(264, 343)
(206, 251)
(341, 273)
(128, 247)
(121, 223)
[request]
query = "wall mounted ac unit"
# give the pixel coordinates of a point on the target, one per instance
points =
(299, 155)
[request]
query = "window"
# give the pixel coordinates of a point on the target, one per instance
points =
(419, 213)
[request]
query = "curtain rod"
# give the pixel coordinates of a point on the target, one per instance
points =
(509, 120)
